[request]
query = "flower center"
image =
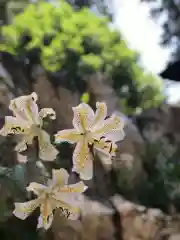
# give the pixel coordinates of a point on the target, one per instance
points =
(89, 137)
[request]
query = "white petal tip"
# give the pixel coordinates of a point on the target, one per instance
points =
(34, 96)
(56, 138)
(49, 157)
(85, 188)
(85, 177)
(73, 217)
(82, 175)
(18, 214)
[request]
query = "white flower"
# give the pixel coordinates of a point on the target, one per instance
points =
(56, 195)
(92, 130)
(27, 123)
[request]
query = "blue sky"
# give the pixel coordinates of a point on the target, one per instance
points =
(143, 34)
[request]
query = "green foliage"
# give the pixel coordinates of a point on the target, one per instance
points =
(160, 188)
(85, 97)
(11, 189)
(79, 43)
(162, 166)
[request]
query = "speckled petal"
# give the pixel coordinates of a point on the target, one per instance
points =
(60, 177)
(37, 188)
(46, 216)
(24, 142)
(82, 160)
(100, 114)
(109, 126)
(47, 152)
(83, 117)
(69, 135)
(25, 107)
(23, 210)
(116, 136)
(66, 210)
(74, 188)
(47, 112)
(14, 125)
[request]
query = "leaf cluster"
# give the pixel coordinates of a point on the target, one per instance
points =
(73, 44)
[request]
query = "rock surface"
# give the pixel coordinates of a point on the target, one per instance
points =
(137, 223)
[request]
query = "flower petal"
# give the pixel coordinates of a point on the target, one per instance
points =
(67, 211)
(37, 188)
(82, 160)
(83, 117)
(46, 216)
(74, 213)
(105, 150)
(73, 199)
(25, 140)
(17, 110)
(109, 126)
(85, 173)
(31, 109)
(25, 108)
(45, 222)
(106, 146)
(23, 210)
(72, 188)
(14, 126)
(21, 158)
(47, 112)
(60, 177)
(21, 146)
(105, 157)
(70, 194)
(69, 135)
(101, 113)
(116, 136)
(47, 151)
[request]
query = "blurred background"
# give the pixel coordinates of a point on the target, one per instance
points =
(123, 52)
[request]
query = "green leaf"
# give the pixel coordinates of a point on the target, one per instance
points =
(93, 61)
(85, 97)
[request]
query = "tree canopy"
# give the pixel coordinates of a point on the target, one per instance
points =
(76, 43)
